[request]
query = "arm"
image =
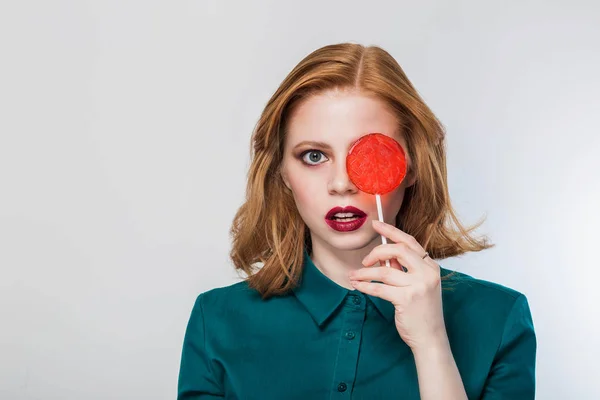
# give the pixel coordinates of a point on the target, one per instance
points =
(196, 378)
(437, 373)
(512, 375)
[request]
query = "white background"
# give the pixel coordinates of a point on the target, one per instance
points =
(125, 131)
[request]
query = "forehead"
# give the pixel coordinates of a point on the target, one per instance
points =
(340, 118)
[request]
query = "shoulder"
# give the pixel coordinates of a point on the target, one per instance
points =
(479, 308)
(461, 287)
(229, 310)
(238, 302)
(238, 293)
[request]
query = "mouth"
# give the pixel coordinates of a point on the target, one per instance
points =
(345, 219)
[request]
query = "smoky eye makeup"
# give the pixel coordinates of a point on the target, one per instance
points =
(312, 157)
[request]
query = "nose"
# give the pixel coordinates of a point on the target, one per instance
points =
(339, 183)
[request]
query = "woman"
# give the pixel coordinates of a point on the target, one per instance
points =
(319, 316)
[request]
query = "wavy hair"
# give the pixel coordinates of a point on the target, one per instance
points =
(269, 235)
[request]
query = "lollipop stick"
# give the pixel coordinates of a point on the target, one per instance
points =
(380, 215)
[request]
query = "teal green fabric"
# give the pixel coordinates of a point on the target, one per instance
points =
(324, 341)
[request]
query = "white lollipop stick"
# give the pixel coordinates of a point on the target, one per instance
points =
(380, 215)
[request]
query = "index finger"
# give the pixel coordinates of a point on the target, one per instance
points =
(397, 236)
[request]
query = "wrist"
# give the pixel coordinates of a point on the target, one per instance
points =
(434, 346)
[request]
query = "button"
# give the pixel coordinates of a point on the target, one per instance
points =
(342, 387)
(356, 300)
(349, 335)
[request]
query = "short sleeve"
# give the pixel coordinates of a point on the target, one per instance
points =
(512, 374)
(196, 378)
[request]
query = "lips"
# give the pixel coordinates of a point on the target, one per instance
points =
(348, 209)
(342, 225)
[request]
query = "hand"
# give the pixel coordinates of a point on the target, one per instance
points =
(416, 294)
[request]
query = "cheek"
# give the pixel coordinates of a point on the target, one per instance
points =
(393, 200)
(305, 195)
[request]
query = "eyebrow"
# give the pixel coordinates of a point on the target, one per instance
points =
(313, 143)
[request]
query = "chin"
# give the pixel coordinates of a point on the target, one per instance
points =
(347, 241)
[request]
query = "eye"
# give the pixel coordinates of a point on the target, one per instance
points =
(313, 156)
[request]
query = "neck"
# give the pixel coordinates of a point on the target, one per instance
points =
(335, 263)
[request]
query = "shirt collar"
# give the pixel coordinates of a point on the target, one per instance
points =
(321, 296)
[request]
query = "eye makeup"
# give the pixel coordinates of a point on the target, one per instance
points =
(302, 155)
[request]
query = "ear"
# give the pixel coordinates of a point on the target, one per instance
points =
(284, 177)
(410, 178)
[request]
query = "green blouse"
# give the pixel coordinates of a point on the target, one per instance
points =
(323, 341)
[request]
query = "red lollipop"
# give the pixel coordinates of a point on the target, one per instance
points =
(376, 164)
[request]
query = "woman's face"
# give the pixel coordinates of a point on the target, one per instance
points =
(316, 173)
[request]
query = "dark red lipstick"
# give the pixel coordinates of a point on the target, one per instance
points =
(351, 218)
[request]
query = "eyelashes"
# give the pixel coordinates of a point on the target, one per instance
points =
(303, 154)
